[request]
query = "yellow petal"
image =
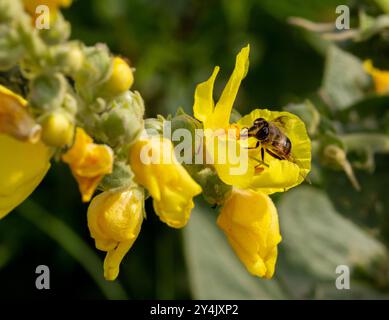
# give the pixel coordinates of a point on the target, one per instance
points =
(224, 106)
(23, 162)
(114, 258)
(250, 222)
(23, 166)
(89, 163)
(280, 175)
(170, 185)
(14, 118)
(114, 221)
(380, 77)
(203, 100)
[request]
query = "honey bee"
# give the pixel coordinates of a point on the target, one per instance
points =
(271, 139)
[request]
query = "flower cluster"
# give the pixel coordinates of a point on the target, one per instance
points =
(77, 106)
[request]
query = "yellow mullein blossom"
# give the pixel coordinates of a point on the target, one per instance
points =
(23, 164)
(172, 188)
(53, 5)
(276, 175)
(114, 221)
(89, 163)
(249, 220)
(380, 77)
(14, 118)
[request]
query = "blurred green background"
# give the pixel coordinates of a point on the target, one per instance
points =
(174, 44)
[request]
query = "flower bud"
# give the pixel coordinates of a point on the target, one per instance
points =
(11, 50)
(58, 130)
(123, 123)
(120, 79)
(95, 69)
(47, 92)
(68, 56)
(215, 191)
(9, 10)
(186, 122)
(58, 32)
(154, 126)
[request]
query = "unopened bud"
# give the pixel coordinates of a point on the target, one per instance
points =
(215, 191)
(58, 130)
(69, 57)
(11, 49)
(47, 92)
(120, 79)
(123, 123)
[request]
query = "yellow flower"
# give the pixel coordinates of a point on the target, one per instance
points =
(249, 220)
(380, 77)
(276, 175)
(121, 78)
(53, 5)
(215, 117)
(279, 175)
(14, 118)
(114, 221)
(23, 164)
(172, 188)
(89, 163)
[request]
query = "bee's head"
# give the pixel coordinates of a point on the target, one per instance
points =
(260, 129)
(260, 122)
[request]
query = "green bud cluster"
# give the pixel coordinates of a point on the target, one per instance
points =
(70, 84)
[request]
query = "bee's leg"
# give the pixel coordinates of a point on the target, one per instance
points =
(260, 162)
(263, 154)
(256, 146)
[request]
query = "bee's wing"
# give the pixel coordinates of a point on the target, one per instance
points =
(281, 121)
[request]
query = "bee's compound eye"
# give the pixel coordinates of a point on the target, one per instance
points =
(263, 133)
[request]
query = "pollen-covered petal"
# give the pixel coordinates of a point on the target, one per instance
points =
(222, 112)
(203, 99)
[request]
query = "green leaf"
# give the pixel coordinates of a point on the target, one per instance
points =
(345, 81)
(317, 239)
(215, 271)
